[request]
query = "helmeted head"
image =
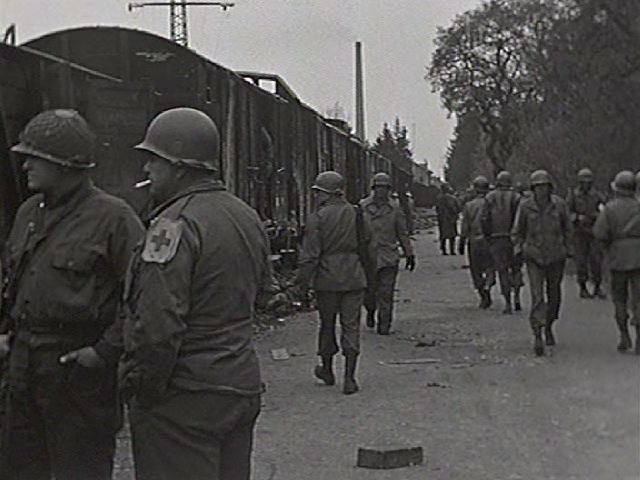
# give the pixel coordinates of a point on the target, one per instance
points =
(624, 182)
(446, 188)
(480, 185)
(183, 136)
(585, 178)
(504, 179)
(381, 185)
(540, 182)
(329, 182)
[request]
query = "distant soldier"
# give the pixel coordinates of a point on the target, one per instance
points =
(542, 235)
(390, 229)
(330, 261)
(67, 255)
(498, 215)
(584, 204)
(480, 261)
(447, 209)
(410, 212)
(190, 369)
(618, 227)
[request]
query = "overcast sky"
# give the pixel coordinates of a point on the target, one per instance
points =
(309, 43)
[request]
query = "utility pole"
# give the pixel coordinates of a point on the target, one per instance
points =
(178, 15)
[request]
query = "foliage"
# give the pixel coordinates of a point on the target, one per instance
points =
(394, 144)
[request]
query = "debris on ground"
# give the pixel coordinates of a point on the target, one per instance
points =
(412, 361)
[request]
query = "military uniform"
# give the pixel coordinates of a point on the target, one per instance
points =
(543, 237)
(447, 209)
(480, 261)
(65, 263)
(584, 207)
(190, 367)
(618, 227)
(390, 229)
(498, 215)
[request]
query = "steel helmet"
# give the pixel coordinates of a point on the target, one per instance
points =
(504, 179)
(585, 175)
(624, 181)
(381, 179)
(184, 136)
(60, 136)
(540, 177)
(329, 182)
(481, 184)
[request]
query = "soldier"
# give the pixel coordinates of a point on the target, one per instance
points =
(498, 214)
(330, 259)
(410, 213)
(618, 227)
(542, 236)
(480, 261)
(390, 229)
(584, 204)
(65, 261)
(190, 371)
(447, 209)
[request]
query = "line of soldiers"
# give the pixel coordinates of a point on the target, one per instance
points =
(505, 229)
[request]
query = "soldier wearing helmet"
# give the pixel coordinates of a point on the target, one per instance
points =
(336, 235)
(190, 371)
(480, 261)
(67, 255)
(390, 229)
(584, 203)
(618, 228)
(447, 210)
(498, 214)
(542, 235)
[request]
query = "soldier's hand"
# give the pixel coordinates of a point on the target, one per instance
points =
(4, 346)
(86, 357)
(411, 263)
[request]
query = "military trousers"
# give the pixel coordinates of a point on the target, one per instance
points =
(545, 284)
(346, 306)
(481, 265)
(192, 435)
(509, 271)
(588, 258)
(58, 421)
(625, 290)
(379, 297)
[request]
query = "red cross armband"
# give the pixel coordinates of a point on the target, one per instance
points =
(162, 240)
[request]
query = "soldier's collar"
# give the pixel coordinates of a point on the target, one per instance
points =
(202, 186)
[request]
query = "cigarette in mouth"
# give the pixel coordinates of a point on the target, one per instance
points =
(142, 184)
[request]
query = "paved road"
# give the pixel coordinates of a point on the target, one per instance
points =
(487, 410)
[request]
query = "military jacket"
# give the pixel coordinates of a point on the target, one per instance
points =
(389, 229)
(64, 266)
(499, 212)
(618, 227)
(543, 235)
(471, 219)
(190, 295)
(584, 208)
(329, 258)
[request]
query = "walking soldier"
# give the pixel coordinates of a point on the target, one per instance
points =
(480, 261)
(542, 235)
(498, 215)
(447, 209)
(190, 371)
(618, 227)
(390, 229)
(335, 236)
(584, 204)
(65, 261)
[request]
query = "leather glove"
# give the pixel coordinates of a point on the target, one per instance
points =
(411, 263)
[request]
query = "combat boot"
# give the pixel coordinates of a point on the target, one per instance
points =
(516, 300)
(371, 318)
(325, 371)
(538, 345)
(599, 293)
(549, 339)
(625, 338)
(350, 385)
(584, 293)
(508, 309)
(452, 246)
(443, 247)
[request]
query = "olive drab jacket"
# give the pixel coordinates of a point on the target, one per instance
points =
(447, 209)
(584, 208)
(389, 229)
(543, 235)
(618, 227)
(329, 259)
(499, 212)
(190, 295)
(64, 267)
(471, 227)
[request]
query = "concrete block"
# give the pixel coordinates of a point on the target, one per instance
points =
(383, 458)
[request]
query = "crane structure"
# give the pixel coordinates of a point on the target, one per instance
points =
(178, 15)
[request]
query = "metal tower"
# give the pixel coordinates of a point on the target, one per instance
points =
(178, 15)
